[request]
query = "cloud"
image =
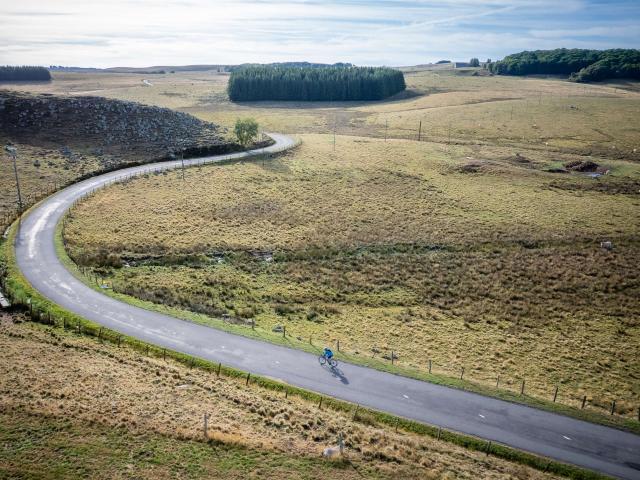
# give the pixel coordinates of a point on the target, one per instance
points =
(394, 32)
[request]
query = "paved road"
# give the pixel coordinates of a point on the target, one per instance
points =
(595, 447)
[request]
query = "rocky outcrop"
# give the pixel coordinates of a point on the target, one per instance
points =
(125, 128)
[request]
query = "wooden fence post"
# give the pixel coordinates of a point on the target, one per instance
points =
(248, 377)
(338, 349)
(219, 367)
(284, 331)
(206, 425)
(522, 388)
(429, 365)
(320, 404)
(462, 373)
(584, 401)
(613, 407)
(555, 395)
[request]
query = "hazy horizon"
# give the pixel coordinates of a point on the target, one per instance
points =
(127, 33)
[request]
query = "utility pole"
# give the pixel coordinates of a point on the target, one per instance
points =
(420, 130)
(13, 153)
(334, 134)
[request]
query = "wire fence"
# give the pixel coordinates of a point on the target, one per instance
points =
(464, 376)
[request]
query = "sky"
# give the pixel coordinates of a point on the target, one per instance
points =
(138, 33)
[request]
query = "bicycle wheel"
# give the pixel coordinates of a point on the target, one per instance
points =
(322, 359)
(333, 362)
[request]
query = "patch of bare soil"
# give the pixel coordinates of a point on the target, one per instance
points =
(582, 166)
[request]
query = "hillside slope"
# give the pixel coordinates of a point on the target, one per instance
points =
(114, 126)
(60, 139)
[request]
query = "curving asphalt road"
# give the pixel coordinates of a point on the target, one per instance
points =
(595, 447)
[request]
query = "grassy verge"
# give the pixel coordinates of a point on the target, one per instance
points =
(41, 309)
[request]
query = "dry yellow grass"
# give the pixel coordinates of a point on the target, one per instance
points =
(368, 192)
(95, 386)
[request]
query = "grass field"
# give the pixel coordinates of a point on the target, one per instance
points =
(96, 410)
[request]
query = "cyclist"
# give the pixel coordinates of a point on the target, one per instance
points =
(328, 354)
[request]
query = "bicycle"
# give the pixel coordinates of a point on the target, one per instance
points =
(331, 361)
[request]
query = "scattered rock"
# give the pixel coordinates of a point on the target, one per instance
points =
(264, 256)
(106, 124)
(607, 245)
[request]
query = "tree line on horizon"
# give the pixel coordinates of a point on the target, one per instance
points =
(21, 73)
(289, 64)
(581, 65)
(320, 83)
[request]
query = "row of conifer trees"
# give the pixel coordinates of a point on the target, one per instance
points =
(9, 73)
(337, 83)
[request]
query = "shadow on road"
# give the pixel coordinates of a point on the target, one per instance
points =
(337, 373)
